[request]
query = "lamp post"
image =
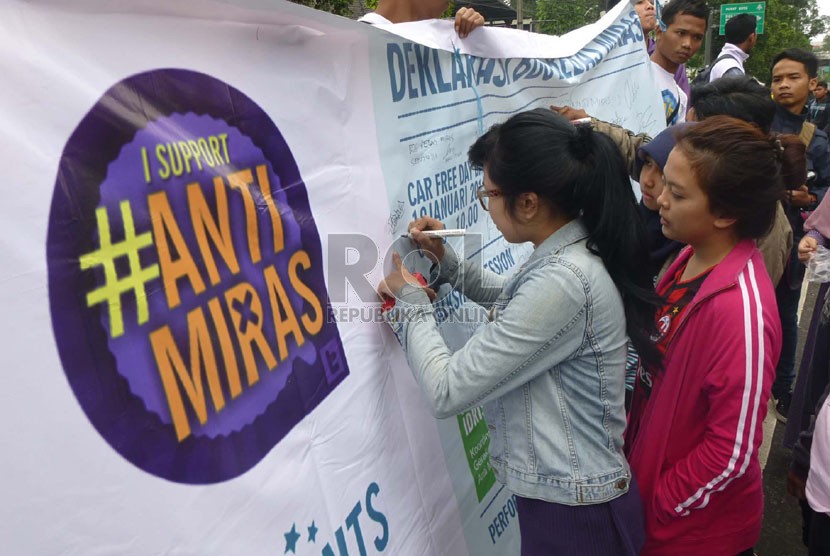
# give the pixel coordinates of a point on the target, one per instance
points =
(714, 16)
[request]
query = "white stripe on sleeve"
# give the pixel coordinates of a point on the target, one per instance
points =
(753, 374)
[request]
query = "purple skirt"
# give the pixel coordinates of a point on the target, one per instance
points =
(612, 528)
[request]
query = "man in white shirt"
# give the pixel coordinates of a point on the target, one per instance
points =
(403, 11)
(685, 24)
(740, 39)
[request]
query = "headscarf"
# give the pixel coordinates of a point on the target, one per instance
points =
(819, 220)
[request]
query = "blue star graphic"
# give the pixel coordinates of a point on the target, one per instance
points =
(312, 533)
(291, 539)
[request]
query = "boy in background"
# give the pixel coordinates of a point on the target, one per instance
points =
(793, 78)
(819, 115)
(685, 26)
(740, 40)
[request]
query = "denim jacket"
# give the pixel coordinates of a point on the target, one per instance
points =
(548, 368)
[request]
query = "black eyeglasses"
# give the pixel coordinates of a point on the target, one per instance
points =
(484, 197)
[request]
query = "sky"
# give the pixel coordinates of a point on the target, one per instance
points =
(824, 6)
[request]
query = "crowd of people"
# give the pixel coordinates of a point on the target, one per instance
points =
(627, 366)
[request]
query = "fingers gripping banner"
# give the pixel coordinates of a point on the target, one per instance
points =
(200, 203)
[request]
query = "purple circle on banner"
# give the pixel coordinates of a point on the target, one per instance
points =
(186, 278)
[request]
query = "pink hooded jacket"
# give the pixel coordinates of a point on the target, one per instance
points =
(695, 455)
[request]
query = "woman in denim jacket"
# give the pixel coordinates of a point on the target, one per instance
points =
(549, 367)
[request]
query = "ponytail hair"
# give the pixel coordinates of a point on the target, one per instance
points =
(581, 173)
(742, 170)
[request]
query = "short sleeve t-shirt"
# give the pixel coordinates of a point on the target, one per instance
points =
(675, 101)
(676, 295)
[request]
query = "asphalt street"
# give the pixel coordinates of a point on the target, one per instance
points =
(781, 535)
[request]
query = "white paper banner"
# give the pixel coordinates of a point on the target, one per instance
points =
(192, 358)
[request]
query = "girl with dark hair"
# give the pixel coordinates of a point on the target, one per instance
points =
(696, 420)
(549, 366)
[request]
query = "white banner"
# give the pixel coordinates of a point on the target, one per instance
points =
(198, 200)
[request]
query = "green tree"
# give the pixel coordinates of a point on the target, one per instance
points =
(528, 7)
(557, 17)
(811, 21)
(338, 7)
(787, 24)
